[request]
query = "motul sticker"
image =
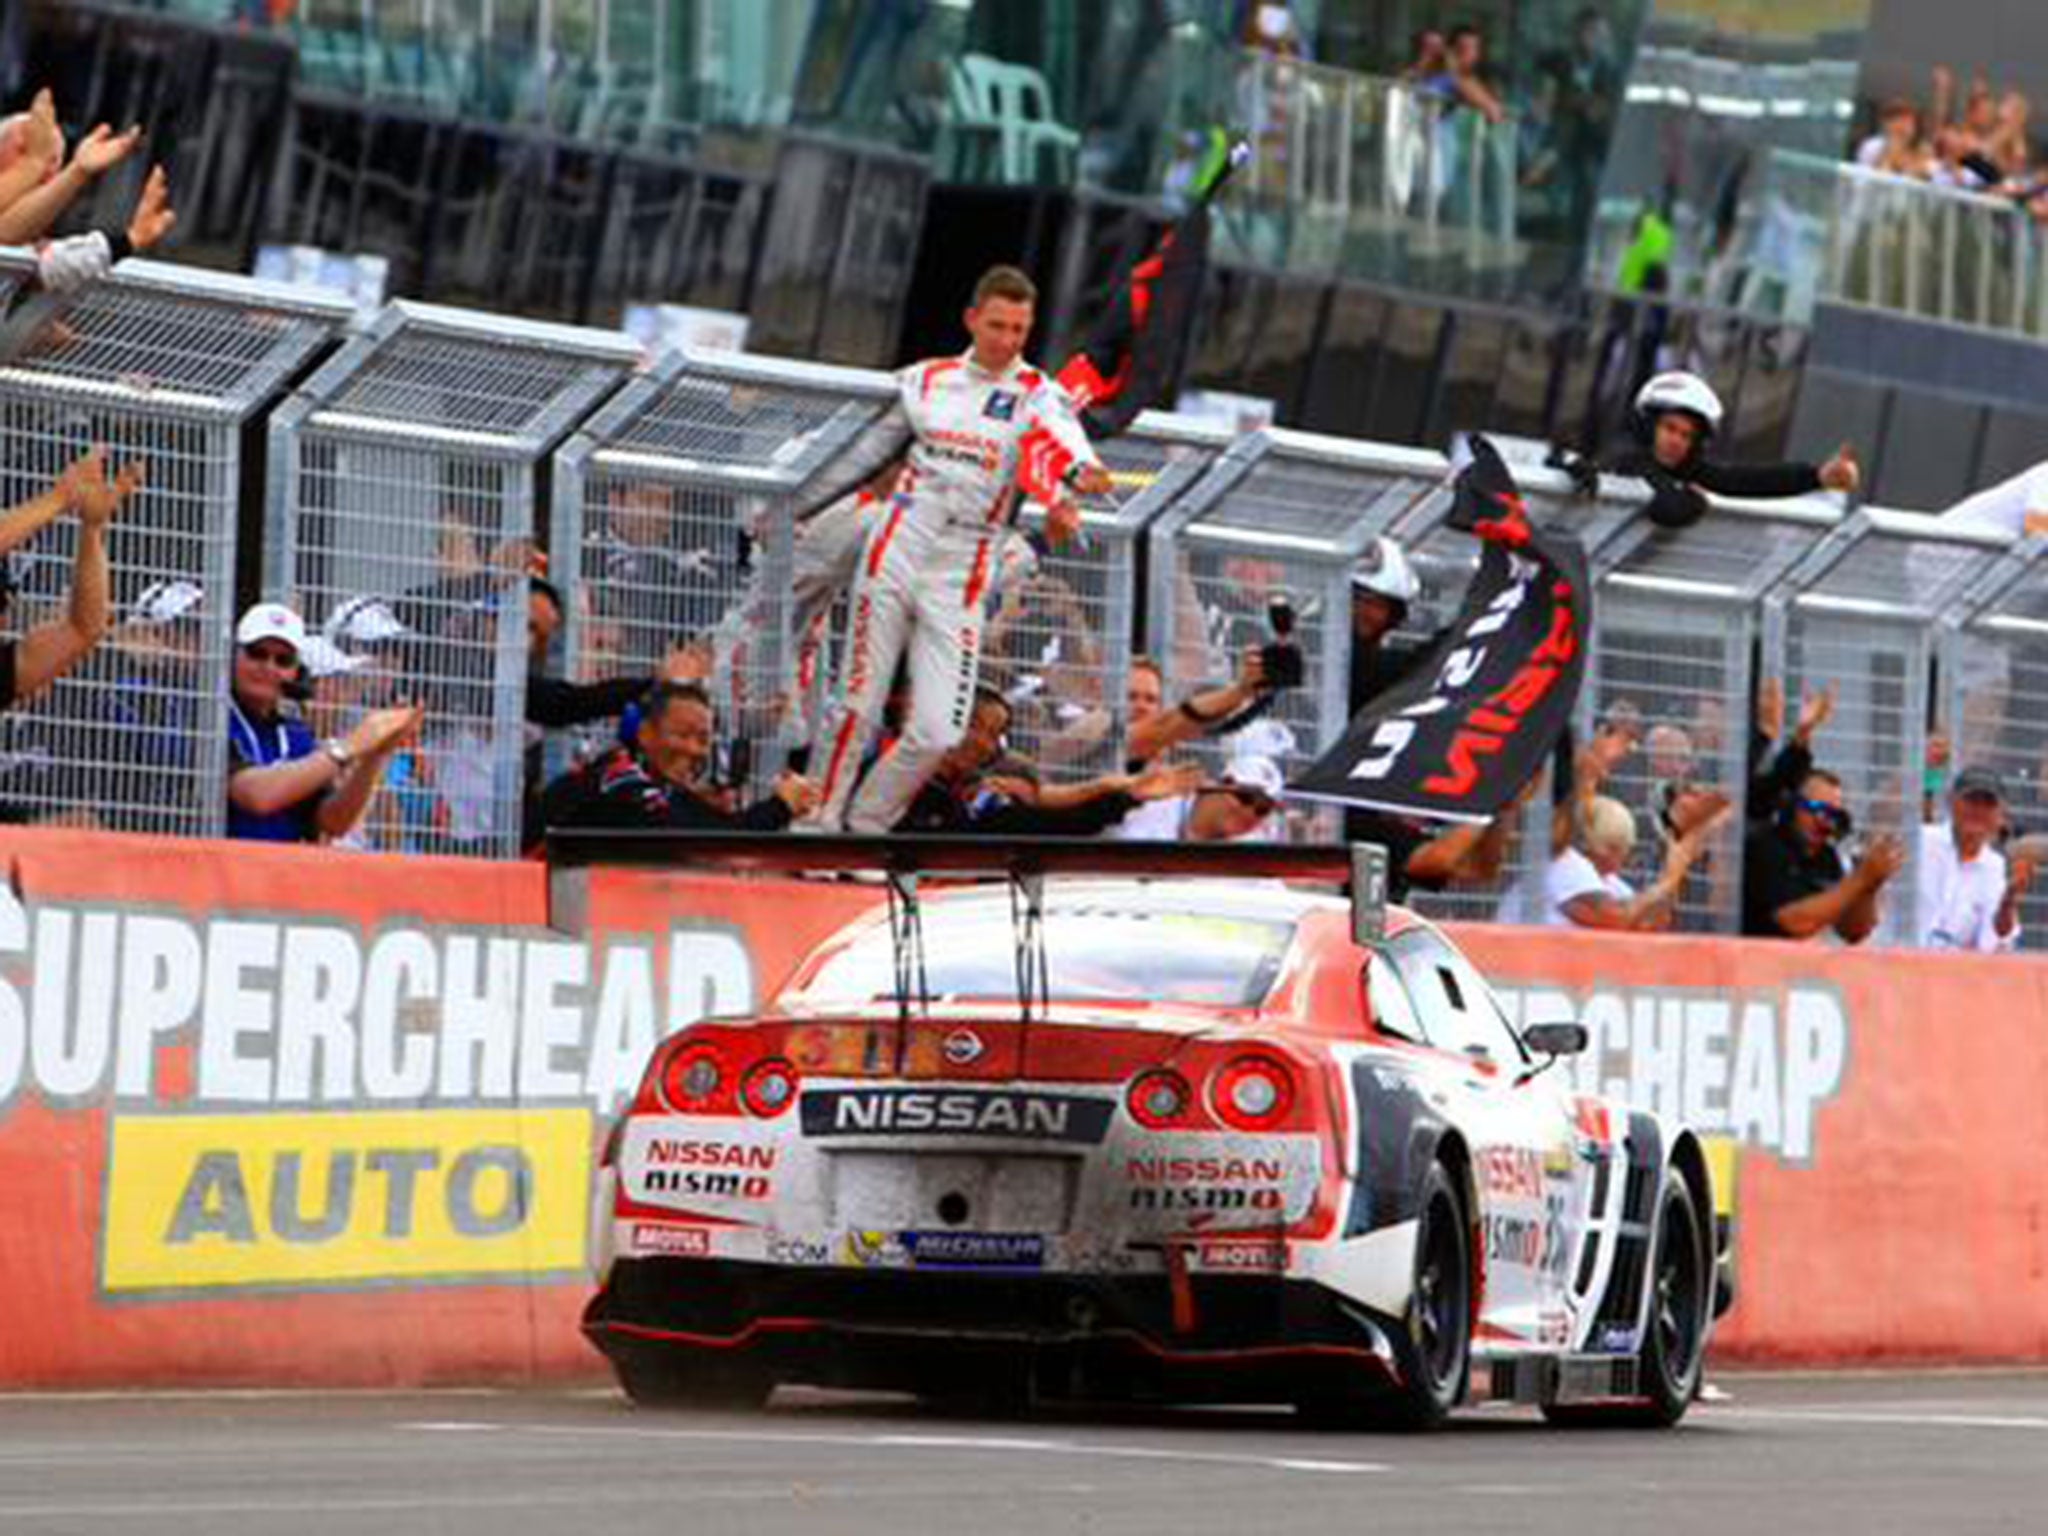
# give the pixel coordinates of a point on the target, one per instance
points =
(679, 1242)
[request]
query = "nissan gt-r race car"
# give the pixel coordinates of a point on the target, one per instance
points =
(1165, 1139)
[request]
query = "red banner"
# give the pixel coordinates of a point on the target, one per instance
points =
(279, 1115)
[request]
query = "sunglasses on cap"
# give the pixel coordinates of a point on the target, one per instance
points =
(1836, 818)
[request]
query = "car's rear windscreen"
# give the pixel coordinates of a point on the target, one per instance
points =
(1094, 953)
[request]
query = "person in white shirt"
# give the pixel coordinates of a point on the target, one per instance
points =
(1966, 897)
(1584, 887)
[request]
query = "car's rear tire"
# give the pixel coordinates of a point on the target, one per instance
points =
(1681, 1290)
(666, 1384)
(1435, 1346)
(1433, 1349)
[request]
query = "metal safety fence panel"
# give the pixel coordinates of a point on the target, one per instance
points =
(1059, 642)
(1281, 519)
(1674, 642)
(1994, 710)
(400, 523)
(674, 542)
(1858, 616)
(164, 366)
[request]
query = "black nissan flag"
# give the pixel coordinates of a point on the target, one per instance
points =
(1475, 720)
(1130, 358)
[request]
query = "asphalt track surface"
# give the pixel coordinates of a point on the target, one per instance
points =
(1927, 1453)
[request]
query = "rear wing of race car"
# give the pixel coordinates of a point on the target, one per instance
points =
(902, 860)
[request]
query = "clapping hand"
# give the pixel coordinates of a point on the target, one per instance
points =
(87, 491)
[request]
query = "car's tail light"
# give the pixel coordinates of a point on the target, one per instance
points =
(695, 1079)
(768, 1088)
(1158, 1098)
(1252, 1093)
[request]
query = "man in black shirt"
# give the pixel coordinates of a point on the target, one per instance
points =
(657, 781)
(1794, 883)
(1676, 416)
(974, 789)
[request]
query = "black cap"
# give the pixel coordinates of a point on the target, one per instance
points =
(1978, 780)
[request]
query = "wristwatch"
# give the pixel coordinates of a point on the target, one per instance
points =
(337, 749)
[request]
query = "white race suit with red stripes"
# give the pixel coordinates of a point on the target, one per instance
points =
(974, 438)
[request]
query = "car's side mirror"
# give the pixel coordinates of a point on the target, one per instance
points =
(1559, 1039)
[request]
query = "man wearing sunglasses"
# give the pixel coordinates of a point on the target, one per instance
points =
(284, 786)
(1794, 882)
(1967, 896)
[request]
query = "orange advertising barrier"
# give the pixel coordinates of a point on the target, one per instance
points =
(295, 1116)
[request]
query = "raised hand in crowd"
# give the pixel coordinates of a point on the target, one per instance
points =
(2019, 879)
(103, 149)
(1815, 710)
(50, 649)
(1770, 708)
(1842, 473)
(1880, 862)
(688, 662)
(1062, 522)
(383, 731)
(31, 153)
(43, 137)
(87, 491)
(796, 792)
(1696, 808)
(1093, 480)
(1163, 781)
(28, 214)
(154, 217)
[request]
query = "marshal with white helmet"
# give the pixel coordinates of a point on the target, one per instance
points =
(1680, 391)
(1383, 569)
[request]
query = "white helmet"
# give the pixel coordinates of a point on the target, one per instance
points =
(1680, 391)
(1384, 571)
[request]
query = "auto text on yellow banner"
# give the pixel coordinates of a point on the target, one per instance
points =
(221, 1201)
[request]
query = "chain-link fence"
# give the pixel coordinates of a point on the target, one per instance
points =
(1272, 533)
(403, 483)
(1858, 616)
(1060, 636)
(164, 366)
(1676, 634)
(400, 522)
(1994, 706)
(674, 542)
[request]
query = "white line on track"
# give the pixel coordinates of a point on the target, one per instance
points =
(288, 1511)
(997, 1444)
(1896, 1419)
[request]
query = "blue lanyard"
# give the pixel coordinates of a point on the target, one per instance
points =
(237, 718)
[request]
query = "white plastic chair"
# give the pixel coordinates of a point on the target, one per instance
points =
(1014, 101)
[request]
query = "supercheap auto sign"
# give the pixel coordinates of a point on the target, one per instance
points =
(402, 1080)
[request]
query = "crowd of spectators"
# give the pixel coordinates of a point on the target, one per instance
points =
(1978, 141)
(348, 732)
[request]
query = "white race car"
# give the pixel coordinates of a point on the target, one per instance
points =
(1221, 1150)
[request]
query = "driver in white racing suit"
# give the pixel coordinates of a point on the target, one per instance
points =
(979, 428)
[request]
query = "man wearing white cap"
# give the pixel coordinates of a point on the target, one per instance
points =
(283, 785)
